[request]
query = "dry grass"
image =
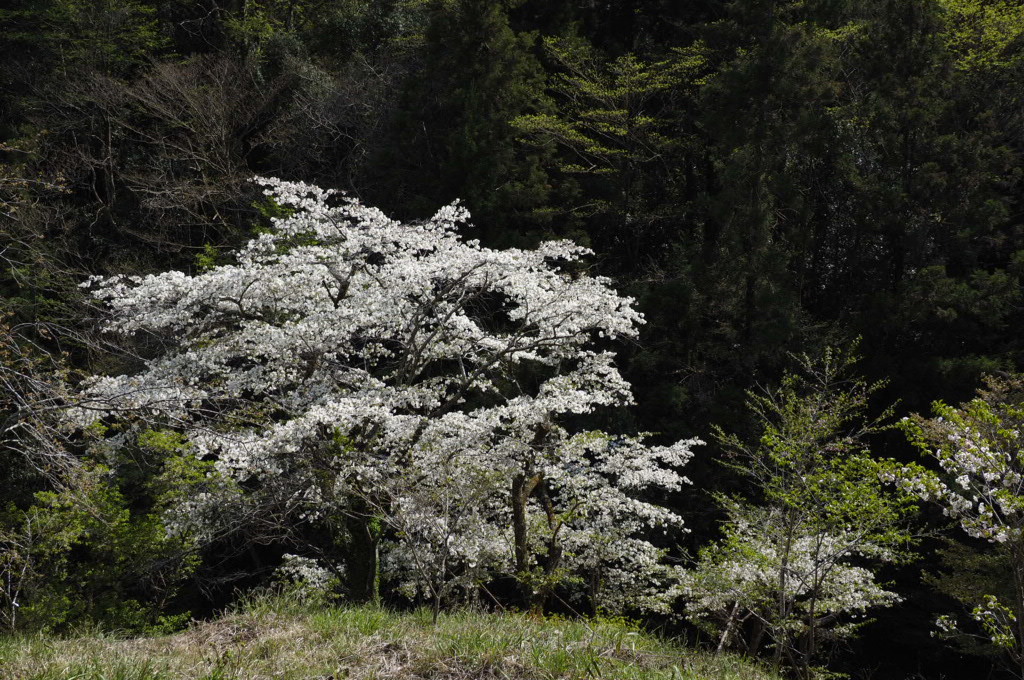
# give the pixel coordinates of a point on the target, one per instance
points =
(282, 640)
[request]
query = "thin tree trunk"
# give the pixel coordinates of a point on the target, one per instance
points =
(1018, 582)
(722, 641)
(782, 605)
(363, 564)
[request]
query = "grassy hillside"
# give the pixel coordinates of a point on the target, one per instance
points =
(277, 640)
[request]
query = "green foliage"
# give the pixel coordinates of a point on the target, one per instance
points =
(114, 36)
(270, 209)
(791, 566)
(451, 136)
(162, 441)
(605, 124)
(83, 557)
(97, 549)
(263, 22)
(810, 458)
(614, 130)
(982, 34)
(208, 259)
(273, 33)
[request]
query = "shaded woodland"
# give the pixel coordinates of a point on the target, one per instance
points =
(765, 177)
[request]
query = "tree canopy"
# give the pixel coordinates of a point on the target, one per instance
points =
(347, 368)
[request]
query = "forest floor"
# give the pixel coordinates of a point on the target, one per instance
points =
(277, 640)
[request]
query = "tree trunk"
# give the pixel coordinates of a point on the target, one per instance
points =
(554, 556)
(522, 486)
(1018, 606)
(363, 565)
(726, 633)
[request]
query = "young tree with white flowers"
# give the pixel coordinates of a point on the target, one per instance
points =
(795, 567)
(980, 484)
(409, 389)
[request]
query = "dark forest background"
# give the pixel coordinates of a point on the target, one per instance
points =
(763, 176)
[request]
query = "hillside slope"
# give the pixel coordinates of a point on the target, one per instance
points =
(273, 640)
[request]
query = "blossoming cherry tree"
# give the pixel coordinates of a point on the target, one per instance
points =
(408, 388)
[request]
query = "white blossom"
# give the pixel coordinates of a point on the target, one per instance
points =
(347, 356)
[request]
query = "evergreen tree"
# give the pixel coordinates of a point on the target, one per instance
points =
(452, 136)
